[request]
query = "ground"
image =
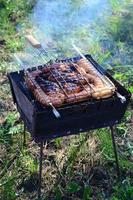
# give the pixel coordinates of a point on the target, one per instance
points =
(74, 167)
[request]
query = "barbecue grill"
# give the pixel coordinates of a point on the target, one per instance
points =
(75, 118)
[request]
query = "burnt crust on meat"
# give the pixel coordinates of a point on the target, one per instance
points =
(68, 82)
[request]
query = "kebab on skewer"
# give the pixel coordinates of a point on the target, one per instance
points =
(77, 84)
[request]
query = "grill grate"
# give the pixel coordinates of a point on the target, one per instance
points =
(108, 86)
(84, 92)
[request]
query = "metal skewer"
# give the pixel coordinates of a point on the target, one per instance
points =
(63, 78)
(56, 113)
(36, 44)
(80, 53)
(121, 97)
(42, 56)
(101, 71)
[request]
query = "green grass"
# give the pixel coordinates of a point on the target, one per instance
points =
(12, 13)
(123, 191)
(107, 147)
(75, 156)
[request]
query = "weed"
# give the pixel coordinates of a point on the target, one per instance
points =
(9, 190)
(73, 187)
(73, 152)
(87, 193)
(58, 195)
(58, 142)
(106, 143)
(123, 191)
(107, 148)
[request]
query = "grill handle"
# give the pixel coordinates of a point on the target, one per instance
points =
(56, 113)
(35, 43)
(122, 98)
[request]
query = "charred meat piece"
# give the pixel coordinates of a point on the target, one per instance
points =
(67, 82)
(50, 87)
(77, 97)
(77, 79)
(71, 88)
(67, 77)
(56, 100)
(87, 66)
(46, 99)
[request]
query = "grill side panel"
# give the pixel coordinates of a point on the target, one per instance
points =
(24, 105)
(108, 114)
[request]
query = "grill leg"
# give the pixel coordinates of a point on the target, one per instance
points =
(40, 170)
(24, 136)
(115, 152)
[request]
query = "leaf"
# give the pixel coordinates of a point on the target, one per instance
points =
(15, 129)
(58, 195)
(73, 187)
(87, 193)
(11, 118)
(58, 142)
(131, 89)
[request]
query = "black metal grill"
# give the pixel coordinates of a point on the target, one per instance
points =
(75, 118)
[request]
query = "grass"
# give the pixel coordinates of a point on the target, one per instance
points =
(71, 165)
(10, 16)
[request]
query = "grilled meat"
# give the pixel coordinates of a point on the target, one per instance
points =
(80, 96)
(87, 66)
(50, 87)
(72, 88)
(67, 82)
